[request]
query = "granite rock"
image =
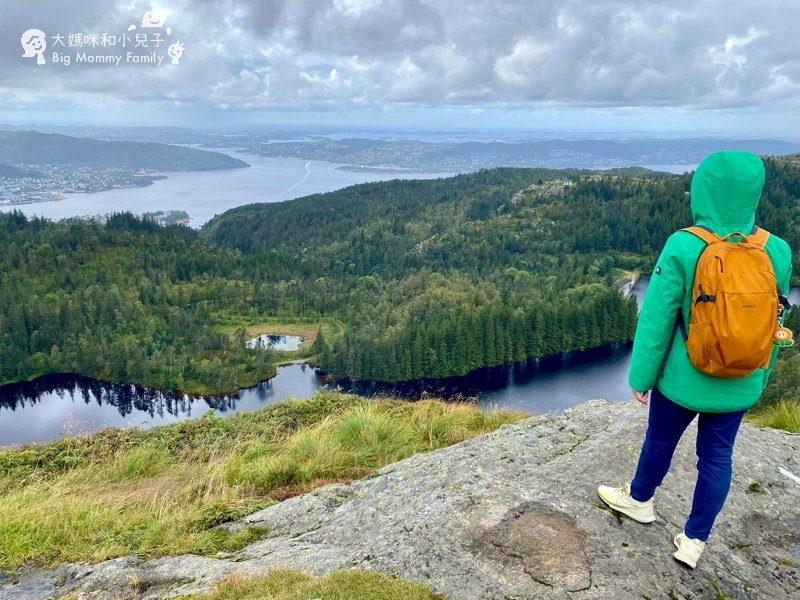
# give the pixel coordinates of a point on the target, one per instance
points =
(513, 514)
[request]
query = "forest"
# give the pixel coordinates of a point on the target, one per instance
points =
(438, 277)
(124, 300)
(419, 279)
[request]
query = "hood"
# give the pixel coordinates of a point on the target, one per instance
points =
(726, 189)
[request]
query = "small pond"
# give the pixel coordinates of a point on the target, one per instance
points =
(273, 341)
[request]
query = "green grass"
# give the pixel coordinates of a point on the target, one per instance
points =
(783, 414)
(720, 595)
(289, 584)
(163, 491)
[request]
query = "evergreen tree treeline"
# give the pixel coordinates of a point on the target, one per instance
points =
(442, 344)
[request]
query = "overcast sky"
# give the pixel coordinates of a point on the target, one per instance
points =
(602, 65)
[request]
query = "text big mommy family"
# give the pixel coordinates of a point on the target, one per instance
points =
(113, 59)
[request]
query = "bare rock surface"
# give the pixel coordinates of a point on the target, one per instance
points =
(510, 515)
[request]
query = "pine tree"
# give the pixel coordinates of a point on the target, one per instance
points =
(320, 345)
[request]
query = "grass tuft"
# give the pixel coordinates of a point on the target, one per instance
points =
(290, 584)
(165, 490)
(783, 414)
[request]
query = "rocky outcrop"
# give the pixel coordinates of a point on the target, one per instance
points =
(512, 514)
(626, 284)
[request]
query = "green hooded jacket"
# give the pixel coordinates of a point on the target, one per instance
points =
(726, 189)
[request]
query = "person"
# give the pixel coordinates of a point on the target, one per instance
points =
(725, 191)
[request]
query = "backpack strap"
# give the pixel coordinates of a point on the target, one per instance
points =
(708, 236)
(758, 237)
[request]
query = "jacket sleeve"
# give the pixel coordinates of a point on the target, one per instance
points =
(657, 317)
(784, 278)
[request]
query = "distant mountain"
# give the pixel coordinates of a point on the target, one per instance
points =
(17, 173)
(32, 147)
(471, 156)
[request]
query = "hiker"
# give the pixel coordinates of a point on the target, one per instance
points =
(706, 351)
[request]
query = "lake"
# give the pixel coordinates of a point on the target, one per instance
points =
(57, 405)
(203, 194)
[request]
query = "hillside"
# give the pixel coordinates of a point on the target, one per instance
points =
(404, 213)
(436, 278)
(16, 173)
(462, 156)
(511, 514)
(34, 148)
(624, 210)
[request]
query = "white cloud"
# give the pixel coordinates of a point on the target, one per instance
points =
(352, 53)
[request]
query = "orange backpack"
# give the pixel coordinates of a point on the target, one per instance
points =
(735, 305)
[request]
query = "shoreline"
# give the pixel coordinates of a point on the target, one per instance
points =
(310, 362)
(192, 395)
(371, 386)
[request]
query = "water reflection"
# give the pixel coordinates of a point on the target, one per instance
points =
(273, 341)
(126, 398)
(56, 405)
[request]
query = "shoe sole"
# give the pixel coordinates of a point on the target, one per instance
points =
(682, 558)
(636, 518)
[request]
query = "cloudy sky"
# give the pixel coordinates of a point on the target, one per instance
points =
(731, 68)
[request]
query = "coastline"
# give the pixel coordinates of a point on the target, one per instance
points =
(381, 170)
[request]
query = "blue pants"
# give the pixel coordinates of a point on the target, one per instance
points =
(716, 433)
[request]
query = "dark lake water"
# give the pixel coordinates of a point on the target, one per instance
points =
(58, 405)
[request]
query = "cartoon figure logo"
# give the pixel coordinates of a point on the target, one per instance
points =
(175, 52)
(34, 42)
(153, 18)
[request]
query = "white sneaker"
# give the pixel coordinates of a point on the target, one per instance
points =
(620, 500)
(689, 549)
